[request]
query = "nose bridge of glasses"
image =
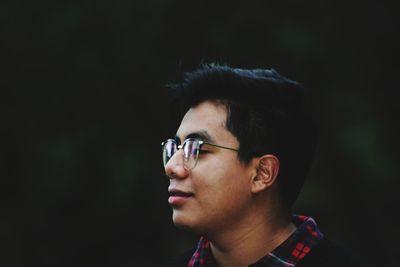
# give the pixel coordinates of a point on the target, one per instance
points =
(184, 151)
(189, 153)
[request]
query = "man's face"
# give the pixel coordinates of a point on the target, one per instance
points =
(217, 190)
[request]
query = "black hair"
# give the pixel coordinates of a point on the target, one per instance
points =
(266, 112)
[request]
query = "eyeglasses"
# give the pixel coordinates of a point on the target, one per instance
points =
(191, 149)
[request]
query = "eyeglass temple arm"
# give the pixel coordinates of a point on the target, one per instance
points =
(233, 149)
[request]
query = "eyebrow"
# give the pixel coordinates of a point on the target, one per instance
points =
(202, 135)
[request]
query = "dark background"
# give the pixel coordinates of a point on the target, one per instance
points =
(82, 121)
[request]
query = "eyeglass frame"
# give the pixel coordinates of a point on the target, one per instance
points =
(200, 144)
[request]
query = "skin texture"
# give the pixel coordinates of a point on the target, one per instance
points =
(233, 204)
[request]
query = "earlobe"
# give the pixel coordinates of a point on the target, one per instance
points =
(267, 172)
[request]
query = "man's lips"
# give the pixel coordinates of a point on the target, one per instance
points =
(179, 192)
(178, 197)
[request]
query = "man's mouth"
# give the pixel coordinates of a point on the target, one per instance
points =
(180, 194)
(178, 197)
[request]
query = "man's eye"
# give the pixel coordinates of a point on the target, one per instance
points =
(202, 151)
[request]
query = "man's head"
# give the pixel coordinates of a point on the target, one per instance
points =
(258, 112)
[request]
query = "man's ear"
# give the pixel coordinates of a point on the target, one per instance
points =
(267, 172)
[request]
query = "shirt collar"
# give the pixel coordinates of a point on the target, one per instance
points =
(287, 254)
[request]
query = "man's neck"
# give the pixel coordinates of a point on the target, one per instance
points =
(251, 242)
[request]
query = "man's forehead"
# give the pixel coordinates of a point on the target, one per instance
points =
(205, 120)
(206, 108)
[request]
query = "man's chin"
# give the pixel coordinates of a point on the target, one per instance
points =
(183, 221)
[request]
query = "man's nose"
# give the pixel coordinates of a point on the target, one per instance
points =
(175, 168)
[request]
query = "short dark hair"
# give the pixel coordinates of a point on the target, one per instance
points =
(266, 112)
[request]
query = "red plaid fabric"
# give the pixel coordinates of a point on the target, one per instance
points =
(288, 254)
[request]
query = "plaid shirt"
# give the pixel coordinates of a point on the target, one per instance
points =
(288, 254)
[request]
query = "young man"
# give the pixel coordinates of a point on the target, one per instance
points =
(236, 166)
